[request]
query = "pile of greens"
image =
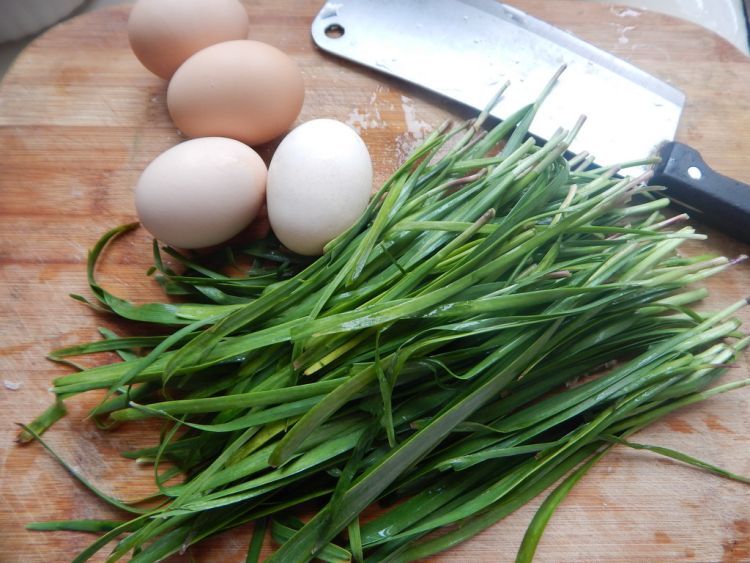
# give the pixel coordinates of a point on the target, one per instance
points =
(499, 318)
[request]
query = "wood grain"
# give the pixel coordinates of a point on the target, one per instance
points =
(79, 120)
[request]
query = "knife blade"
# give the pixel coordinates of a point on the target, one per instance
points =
(465, 49)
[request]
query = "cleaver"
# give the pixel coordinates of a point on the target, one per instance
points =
(466, 49)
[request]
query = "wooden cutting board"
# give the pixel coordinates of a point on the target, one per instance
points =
(80, 119)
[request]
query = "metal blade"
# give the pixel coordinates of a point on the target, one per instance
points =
(466, 49)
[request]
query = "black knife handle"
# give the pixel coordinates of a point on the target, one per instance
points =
(708, 196)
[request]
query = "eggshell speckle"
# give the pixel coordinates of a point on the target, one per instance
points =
(246, 90)
(319, 183)
(201, 192)
(164, 33)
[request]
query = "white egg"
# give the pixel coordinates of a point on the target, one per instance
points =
(201, 192)
(319, 183)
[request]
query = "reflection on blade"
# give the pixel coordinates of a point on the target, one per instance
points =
(466, 49)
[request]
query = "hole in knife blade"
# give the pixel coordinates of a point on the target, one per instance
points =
(334, 31)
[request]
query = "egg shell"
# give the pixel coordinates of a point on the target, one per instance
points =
(165, 33)
(246, 90)
(201, 192)
(319, 183)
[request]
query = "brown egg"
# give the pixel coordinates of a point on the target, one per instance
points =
(165, 33)
(245, 90)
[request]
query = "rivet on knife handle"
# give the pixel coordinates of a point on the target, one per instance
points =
(721, 202)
